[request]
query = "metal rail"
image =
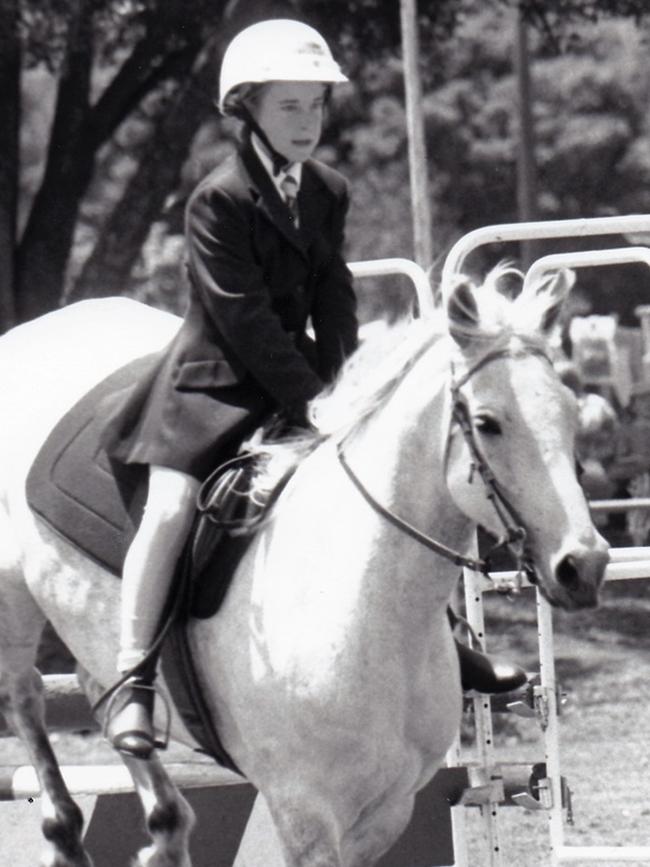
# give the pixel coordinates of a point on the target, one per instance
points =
(406, 267)
(539, 230)
(620, 505)
(585, 259)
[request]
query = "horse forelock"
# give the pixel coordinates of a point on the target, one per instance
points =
(501, 317)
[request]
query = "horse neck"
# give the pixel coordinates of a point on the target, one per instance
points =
(400, 455)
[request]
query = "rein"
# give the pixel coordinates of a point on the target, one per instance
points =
(404, 526)
(514, 538)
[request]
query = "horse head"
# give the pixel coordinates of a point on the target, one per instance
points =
(511, 455)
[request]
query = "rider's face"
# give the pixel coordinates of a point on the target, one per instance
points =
(291, 115)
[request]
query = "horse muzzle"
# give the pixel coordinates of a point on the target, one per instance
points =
(577, 574)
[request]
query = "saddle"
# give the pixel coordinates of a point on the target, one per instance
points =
(229, 512)
(75, 488)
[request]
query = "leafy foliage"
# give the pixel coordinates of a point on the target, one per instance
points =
(592, 141)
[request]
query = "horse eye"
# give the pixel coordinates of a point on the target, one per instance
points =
(488, 425)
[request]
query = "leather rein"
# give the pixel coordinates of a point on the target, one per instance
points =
(514, 533)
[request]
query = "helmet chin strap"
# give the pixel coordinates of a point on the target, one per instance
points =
(279, 160)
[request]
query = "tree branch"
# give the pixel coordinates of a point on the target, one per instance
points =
(146, 67)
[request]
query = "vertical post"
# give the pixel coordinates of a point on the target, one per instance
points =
(643, 312)
(551, 726)
(420, 206)
(526, 172)
(483, 717)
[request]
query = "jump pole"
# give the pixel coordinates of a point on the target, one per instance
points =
(21, 782)
(67, 707)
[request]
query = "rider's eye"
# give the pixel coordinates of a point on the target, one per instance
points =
(488, 425)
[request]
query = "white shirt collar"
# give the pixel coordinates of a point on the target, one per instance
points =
(294, 169)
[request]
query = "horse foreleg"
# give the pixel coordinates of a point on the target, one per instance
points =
(169, 817)
(22, 703)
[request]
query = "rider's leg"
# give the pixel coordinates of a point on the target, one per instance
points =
(148, 570)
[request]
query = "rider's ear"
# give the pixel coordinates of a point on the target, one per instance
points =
(553, 290)
(462, 313)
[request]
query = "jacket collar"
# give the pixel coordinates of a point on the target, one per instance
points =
(293, 169)
(271, 203)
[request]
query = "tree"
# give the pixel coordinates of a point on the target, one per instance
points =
(115, 60)
(137, 47)
(159, 44)
(593, 150)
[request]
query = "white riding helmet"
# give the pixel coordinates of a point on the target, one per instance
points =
(276, 50)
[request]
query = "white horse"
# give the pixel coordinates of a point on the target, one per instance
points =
(330, 670)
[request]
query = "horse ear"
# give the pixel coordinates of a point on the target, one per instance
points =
(552, 291)
(462, 312)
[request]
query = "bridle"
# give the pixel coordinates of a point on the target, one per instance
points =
(514, 533)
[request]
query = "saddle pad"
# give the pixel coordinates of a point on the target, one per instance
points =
(72, 484)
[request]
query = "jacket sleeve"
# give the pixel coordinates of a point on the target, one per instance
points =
(334, 311)
(224, 271)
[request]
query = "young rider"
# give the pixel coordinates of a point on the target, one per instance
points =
(264, 239)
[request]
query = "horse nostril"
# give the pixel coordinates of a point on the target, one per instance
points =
(567, 573)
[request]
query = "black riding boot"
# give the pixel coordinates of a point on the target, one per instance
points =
(130, 724)
(479, 672)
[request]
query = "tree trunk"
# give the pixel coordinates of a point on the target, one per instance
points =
(78, 131)
(9, 154)
(107, 270)
(45, 245)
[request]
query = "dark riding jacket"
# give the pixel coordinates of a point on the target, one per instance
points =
(242, 350)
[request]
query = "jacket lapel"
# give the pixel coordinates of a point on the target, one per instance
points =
(269, 199)
(311, 204)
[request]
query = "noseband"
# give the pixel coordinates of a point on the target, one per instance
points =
(514, 535)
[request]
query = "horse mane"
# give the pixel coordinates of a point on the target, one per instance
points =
(375, 369)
